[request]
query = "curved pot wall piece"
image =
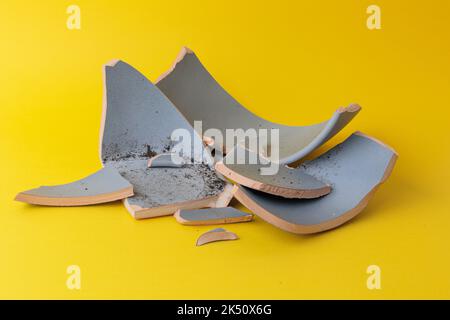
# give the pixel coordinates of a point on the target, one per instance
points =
(137, 124)
(199, 96)
(282, 181)
(105, 185)
(211, 216)
(354, 169)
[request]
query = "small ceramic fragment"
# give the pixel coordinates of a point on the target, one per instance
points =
(214, 235)
(211, 216)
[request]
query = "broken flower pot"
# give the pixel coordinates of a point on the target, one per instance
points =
(138, 123)
(354, 169)
(198, 96)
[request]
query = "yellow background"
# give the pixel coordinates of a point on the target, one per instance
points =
(292, 62)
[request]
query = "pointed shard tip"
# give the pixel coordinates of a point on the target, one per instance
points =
(112, 63)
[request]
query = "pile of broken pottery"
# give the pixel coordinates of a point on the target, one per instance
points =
(137, 151)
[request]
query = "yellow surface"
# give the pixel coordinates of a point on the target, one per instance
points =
(293, 62)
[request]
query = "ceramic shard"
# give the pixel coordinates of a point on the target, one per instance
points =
(166, 160)
(214, 235)
(354, 169)
(199, 96)
(283, 181)
(103, 186)
(212, 216)
(138, 124)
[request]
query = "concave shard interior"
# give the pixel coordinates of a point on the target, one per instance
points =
(138, 124)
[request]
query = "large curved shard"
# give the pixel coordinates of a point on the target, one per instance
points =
(199, 96)
(103, 186)
(138, 123)
(354, 169)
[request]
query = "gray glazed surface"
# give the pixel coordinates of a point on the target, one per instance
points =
(199, 97)
(217, 230)
(138, 125)
(106, 180)
(285, 177)
(139, 118)
(212, 214)
(353, 169)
